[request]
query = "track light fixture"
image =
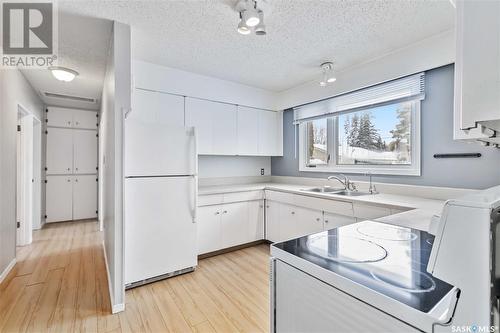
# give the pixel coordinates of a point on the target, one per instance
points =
(251, 18)
(328, 75)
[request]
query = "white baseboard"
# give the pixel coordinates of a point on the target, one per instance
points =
(115, 308)
(7, 270)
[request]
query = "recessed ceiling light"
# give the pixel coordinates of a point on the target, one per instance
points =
(63, 73)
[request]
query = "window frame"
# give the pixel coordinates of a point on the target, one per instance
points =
(413, 169)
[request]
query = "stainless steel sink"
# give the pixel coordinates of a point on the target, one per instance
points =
(331, 190)
(325, 189)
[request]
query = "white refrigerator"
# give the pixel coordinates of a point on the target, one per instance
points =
(161, 186)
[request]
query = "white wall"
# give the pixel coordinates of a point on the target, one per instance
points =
(115, 101)
(15, 90)
(233, 166)
(429, 53)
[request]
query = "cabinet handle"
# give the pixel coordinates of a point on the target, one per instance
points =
(68, 169)
(77, 123)
(217, 213)
(326, 221)
(76, 169)
(267, 206)
(293, 213)
(318, 219)
(76, 180)
(224, 212)
(69, 122)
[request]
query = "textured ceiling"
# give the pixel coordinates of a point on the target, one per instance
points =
(83, 46)
(200, 35)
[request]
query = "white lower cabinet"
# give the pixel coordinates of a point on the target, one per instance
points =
(230, 224)
(332, 220)
(71, 198)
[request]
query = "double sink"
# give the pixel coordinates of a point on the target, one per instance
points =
(336, 191)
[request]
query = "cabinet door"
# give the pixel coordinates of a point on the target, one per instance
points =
(59, 198)
(332, 220)
(199, 115)
(270, 133)
(288, 227)
(209, 229)
(248, 131)
(85, 119)
(234, 224)
(224, 129)
(255, 220)
(59, 117)
(60, 151)
(272, 226)
(365, 212)
(84, 197)
(170, 110)
(85, 151)
(307, 221)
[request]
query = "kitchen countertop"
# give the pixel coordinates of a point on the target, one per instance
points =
(418, 217)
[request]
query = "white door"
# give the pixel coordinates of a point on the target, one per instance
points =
(59, 151)
(153, 150)
(199, 115)
(224, 130)
(268, 132)
(273, 221)
(59, 117)
(85, 151)
(208, 229)
(248, 131)
(59, 198)
(160, 236)
(308, 221)
(332, 220)
(234, 224)
(255, 229)
(84, 197)
(83, 119)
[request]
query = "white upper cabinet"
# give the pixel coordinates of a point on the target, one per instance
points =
(216, 126)
(477, 70)
(270, 133)
(71, 118)
(157, 107)
(248, 131)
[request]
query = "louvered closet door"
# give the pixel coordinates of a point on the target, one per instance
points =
(60, 151)
(85, 151)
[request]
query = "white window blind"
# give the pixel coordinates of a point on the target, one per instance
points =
(409, 87)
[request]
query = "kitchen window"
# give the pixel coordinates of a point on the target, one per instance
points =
(376, 130)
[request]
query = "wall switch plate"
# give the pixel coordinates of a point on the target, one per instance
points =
(262, 172)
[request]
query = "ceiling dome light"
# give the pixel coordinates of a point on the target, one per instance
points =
(260, 29)
(63, 74)
(328, 74)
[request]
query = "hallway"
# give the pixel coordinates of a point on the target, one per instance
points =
(59, 284)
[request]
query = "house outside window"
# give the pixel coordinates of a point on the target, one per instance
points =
(376, 130)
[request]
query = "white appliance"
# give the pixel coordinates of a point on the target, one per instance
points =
(160, 201)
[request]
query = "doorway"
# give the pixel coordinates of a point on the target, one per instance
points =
(28, 176)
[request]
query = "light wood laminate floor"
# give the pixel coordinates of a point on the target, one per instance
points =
(59, 284)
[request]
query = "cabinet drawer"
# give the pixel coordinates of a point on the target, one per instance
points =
(243, 196)
(280, 197)
(327, 205)
(364, 211)
(211, 199)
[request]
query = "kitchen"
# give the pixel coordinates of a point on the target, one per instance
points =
(255, 175)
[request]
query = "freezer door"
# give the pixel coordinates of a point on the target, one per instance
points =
(160, 233)
(158, 150)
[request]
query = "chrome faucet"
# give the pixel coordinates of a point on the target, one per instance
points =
(372, 188)
(348, 184)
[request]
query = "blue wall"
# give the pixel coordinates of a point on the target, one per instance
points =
(437, 137)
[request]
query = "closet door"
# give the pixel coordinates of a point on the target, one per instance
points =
(85, 151)
(84, 197)
(59, 117)
(59, 197)
(85, 119)
(60, 151)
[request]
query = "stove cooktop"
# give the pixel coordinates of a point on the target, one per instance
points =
(388, 259)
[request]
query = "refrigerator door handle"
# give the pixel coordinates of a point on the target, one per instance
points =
(195, 199)
(195, 175)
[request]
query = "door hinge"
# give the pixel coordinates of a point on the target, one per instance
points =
(45, 181)
(19, 128)
(45, 215)
(46, 132)
(18, 224)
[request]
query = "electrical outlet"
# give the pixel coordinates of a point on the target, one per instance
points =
(262, 172)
